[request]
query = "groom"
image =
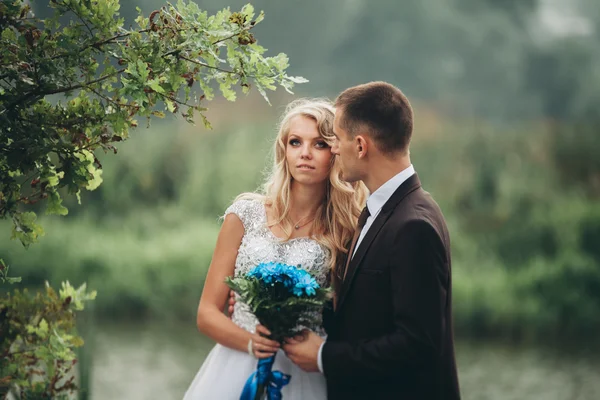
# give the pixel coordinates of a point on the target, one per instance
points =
(390, 336)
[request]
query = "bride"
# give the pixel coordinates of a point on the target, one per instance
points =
(305, 216)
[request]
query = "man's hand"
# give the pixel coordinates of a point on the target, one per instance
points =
(231, 303)
(303, 350)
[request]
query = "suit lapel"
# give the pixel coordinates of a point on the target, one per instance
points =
(360, 253)
(388, 208)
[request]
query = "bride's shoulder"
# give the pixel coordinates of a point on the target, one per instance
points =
(247, 206)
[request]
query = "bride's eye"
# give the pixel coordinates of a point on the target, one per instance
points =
(294, 142)
(322, 145)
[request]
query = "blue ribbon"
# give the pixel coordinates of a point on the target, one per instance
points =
(274, 381)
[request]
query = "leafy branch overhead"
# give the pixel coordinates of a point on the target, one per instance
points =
(67, 90)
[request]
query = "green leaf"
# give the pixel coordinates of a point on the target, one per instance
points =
(96, 180)
(4, 274)
(155, 85)
(170, 105)
(248, 10)
(205, 121)
(297, 79)
(42, 330)
(25, 228)
(226, 90)
(259, 18)
(206, 89)
(53, 178)
(55, 205)
(263, 93)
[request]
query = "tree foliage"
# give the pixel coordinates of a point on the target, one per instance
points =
(38, 338)
(68, 89)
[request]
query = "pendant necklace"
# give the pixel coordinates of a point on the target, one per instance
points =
(298, 225)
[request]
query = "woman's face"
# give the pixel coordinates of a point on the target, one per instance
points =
(308, 156)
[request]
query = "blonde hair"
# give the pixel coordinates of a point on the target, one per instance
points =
(335, 220)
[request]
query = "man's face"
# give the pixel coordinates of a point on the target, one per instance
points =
(345, 148)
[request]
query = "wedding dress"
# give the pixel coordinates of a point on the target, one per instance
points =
(224, 372)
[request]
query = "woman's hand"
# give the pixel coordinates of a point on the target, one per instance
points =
(261, 346)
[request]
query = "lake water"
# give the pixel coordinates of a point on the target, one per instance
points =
(158, 361)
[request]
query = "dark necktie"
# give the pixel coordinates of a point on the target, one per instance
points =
(362, 219)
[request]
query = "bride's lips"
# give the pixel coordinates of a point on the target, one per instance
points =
(305, 167)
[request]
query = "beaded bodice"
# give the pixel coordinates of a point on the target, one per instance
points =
(260, 245)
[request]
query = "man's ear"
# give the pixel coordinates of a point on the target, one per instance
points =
(362, 146)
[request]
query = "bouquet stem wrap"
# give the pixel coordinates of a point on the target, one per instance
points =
(264, 378)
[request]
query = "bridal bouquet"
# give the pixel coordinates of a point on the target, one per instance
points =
(283, 298)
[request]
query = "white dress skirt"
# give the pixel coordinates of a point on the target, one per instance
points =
(225, 371)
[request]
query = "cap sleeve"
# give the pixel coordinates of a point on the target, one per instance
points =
(244, 209)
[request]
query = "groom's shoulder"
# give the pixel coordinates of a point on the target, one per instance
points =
(419, 208)
(419, 204)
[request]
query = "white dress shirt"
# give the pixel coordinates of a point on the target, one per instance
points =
(375, 203)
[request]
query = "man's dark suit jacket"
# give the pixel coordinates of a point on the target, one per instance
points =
(390, 336)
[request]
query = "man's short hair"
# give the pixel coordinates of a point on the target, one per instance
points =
(382, 110)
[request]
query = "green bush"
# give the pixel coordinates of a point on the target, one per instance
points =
(145, 265)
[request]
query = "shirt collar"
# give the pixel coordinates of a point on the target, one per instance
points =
(379, 197)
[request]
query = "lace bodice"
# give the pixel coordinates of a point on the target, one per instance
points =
(260, 245)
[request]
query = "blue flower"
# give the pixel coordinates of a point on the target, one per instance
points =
(265, 272)
(294, 278)
(305, 284)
